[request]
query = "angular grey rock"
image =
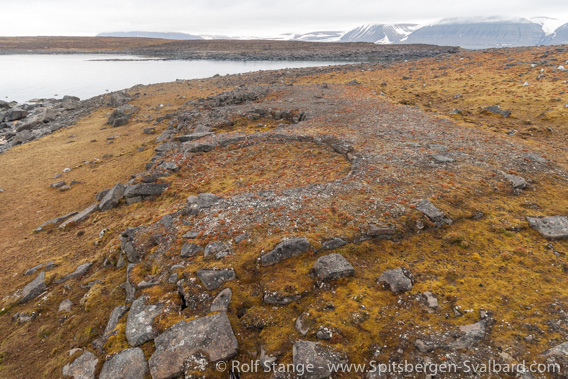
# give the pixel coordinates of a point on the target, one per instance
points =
(471, 334)
(324, 333)
(303, 324)
(240, 238)
(82, 367)
(333, 266)
(81, 215)
(190, 249)
(113, 319)
(79, 271)
(33, 270)
(55, 221)
(332, 244)
(398, 280)
(129, 288)
(15, 114)
(497, 110)
(222, 301)
(48, 115)
(559, 350)
(33, 289)
(70, 98)
(284, 250)
(212, 279)
(118, 99)
(22, 137)
(145, 189)
(202, 201)
(128, 364)
(57, 184)
(139, 327)
(516, 181)
(211, 335)
(170, 166)
(552, 227)
(433, 213)
(535, 158)
(4, 106)
(112, 197)
(317, 357)
(102, 194)
(430, 299)
(194, 296)
(65, 306)
(217, 250)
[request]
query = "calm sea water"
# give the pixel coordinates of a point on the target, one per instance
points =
(25, 77)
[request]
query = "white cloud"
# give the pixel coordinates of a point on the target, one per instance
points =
(248, 17)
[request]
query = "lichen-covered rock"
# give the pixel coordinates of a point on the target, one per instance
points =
(212, 279)
(79, 271)
(552, 227)
(145, 189)
(139, 327)
(332, 244)
(398, 280)
(190, 249)
(284, 250)
(128, 364)
(318, 358)
(82, 367)
(211, 335)
(433, 213)
(113, 319)
(333, 266)
(81, 215)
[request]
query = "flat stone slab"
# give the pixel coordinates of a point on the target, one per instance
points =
(552, 227)
(433, 213)
(34, 288)
(82, 367)
(333, 266)
(55, 221)
(139, 327)
(190, 249)
(145, 189)
(397, 280)
(112, 197)
(211, 335)
(113, 319)
(129, 363)
(212, 279)
(332, 244)
(516, 181)
(79, 271)
(81, 215)
(559, 350)
(217, 250)
(284, 250)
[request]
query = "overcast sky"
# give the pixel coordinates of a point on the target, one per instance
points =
(245, 17)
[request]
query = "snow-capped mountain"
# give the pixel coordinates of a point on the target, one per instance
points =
(380, 33)
(322, 36)
(480, 33)
(558, 37)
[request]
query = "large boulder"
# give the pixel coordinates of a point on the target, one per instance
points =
(15, 114)
(333, 266)
(128, 364)
(139, 328)
(552, 227)
(34, 288)
(284, 250)
(211, 335)
(82, 368)
(315, 359)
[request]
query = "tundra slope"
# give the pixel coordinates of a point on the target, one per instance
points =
(272, 175)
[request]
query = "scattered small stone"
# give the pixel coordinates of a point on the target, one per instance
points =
(497, 110)
(240, 238)
(324, 333)
(559, 350)
(81, 215)
(303, 324)
(65, 306)
(64, 188)
(516, 181)
(57, 184)
(430, 299)
(442, 158)
(433, 213)
(398, 280)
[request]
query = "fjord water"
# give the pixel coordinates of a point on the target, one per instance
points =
(29, 76)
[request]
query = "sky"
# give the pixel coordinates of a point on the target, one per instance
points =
(260, 18)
